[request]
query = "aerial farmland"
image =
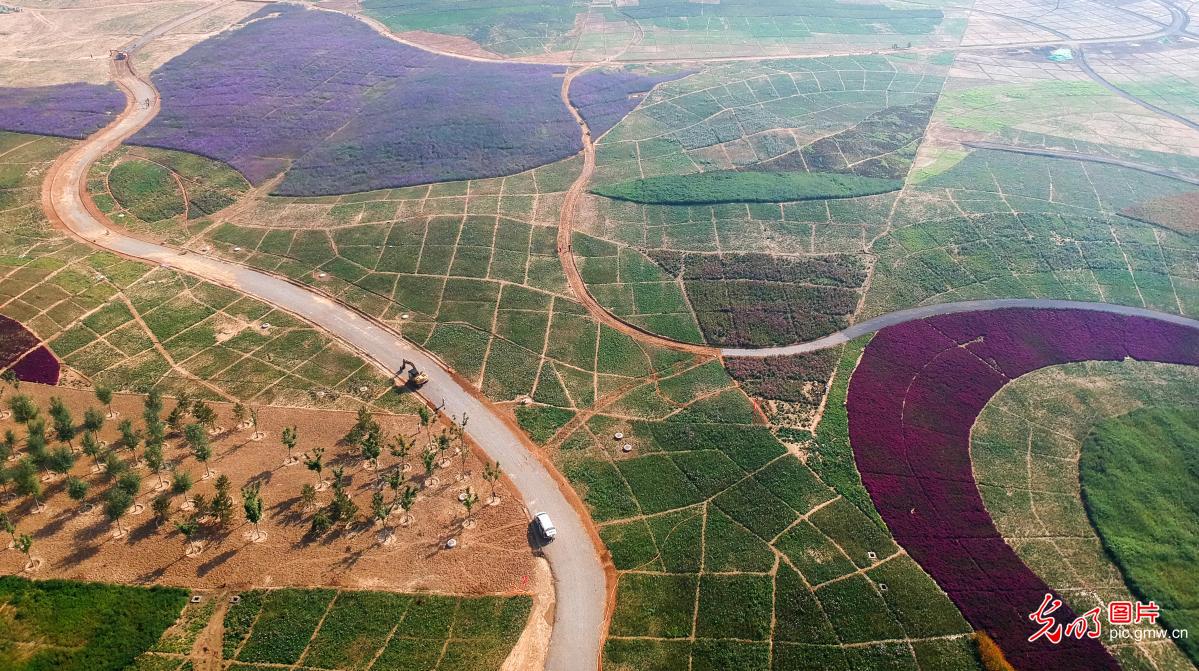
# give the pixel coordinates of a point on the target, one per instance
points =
(568, 335)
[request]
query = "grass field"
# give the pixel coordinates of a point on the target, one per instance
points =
(1140, 484)
(1026, 450)
(163, 193)
(360, 631)
(72, 626)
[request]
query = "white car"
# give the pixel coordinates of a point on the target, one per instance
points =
(545, 527)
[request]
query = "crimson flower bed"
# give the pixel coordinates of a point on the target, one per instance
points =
(912, 402)
(66, 110)
(340, 108)
(20, 351)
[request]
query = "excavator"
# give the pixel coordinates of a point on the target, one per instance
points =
(416, 379)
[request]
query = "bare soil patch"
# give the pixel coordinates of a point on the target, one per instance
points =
(77, 541)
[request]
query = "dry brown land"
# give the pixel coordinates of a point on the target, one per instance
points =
(75, 542)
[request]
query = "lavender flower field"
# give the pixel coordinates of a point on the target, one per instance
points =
(604, 97)
(65, 110)
(912, 402)
(342, 109)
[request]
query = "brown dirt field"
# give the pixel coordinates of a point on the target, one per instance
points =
(493, 557)
(450, 44)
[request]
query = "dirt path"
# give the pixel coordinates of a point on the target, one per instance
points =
(207, 653)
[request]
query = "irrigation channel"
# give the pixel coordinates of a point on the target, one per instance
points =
(581, 578)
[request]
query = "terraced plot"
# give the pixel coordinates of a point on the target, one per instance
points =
(132, 327)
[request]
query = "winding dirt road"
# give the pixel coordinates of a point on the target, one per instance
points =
(580, 578)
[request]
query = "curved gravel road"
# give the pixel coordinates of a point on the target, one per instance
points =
(900, 316)
(580, 581)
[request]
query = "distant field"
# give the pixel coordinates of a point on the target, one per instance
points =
(711, 188)
(72, 626)
(1140, 483)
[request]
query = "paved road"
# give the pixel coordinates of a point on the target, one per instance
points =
(579, 579)
(1078, 156)
(892, 318)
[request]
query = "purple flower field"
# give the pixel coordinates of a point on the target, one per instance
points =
(604, 97)
(38, 363)
(342, 109)
(65, 110)
(912, 402)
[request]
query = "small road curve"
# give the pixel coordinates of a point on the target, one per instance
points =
(580, 578)
(1078, 156)
(1099, 79)
(911, 314)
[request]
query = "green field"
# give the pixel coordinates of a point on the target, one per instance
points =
(1140, 484)
(710, 188)
(70, 626)
(360, 631)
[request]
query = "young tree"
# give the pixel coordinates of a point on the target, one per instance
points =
(394, 480)
(222, 501)
(239, 414)
(7, 526)
(188, 529)
(22, 407)
(152, 407)
(176, 417)
(130, 482)
(104, 396)
(156, 431)
(426, 418)
(9, 376)
(155, 460)
(197, 439)
(130, 437)
(257, 435)
(60, 460)
(443, 442)
(316, 464)
(407, 500)
(26, 479)
(251, 502)
(464, 453)
(401, 445)
(380, 509)
(364, 423)
(77, 489)
(429, 458)
(161, 505)
(181, 482)
(492, 474)
(289, 438)
(93, 420)
(116, 504)
(469, 502)
(372, 447)
(308, 496)
(24, 543)
(114, 466)
(204, 414)
(339, 475)
(64, 424)
(321, 522)
(8, 445)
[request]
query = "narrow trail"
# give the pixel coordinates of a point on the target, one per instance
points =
(578, 560)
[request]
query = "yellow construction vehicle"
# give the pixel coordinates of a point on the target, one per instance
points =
(416, 379)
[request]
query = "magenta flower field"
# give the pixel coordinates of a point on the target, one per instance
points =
(340, 108)
(65, 110)
(20, 351)
(912, 402)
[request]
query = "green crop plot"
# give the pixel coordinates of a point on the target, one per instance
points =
(1145, 466)
(155, 190)
(73, 626)
(727, 186)
(1027, 449)
(732, 550)
(357, 631)
(133, 327)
